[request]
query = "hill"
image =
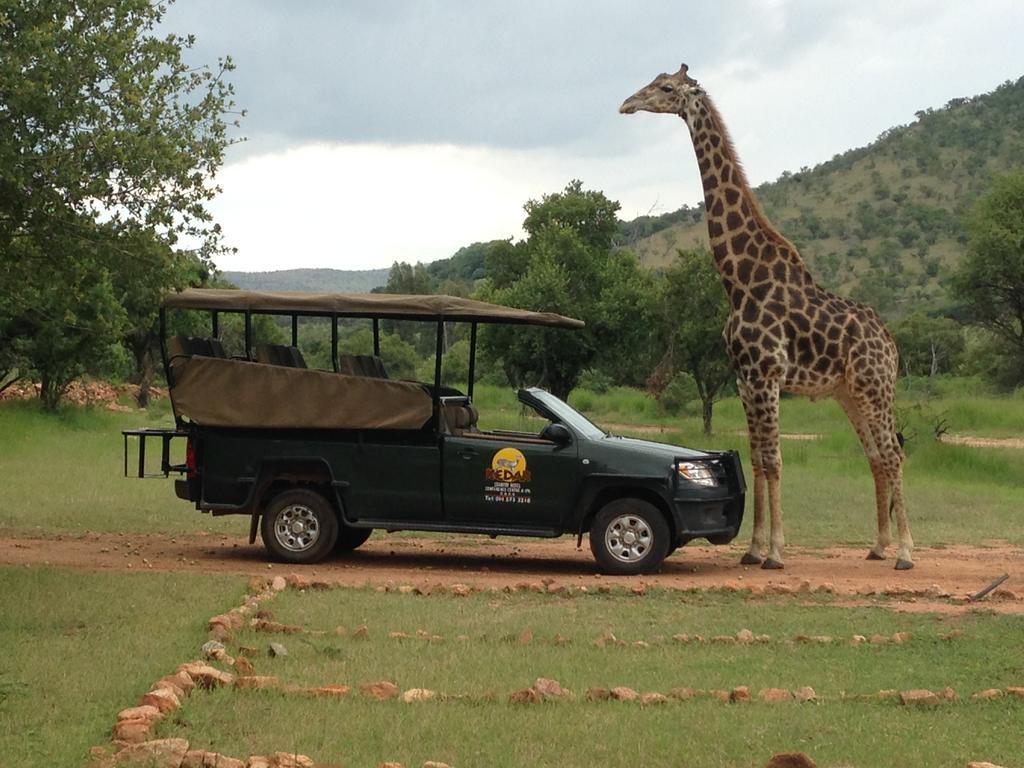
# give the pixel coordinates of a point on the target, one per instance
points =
(331, 280)
(883, 223)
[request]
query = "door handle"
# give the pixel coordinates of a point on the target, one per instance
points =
(467, 453)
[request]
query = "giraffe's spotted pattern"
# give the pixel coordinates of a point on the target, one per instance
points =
(786, 333)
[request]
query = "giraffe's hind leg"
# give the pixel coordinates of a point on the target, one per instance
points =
(882, 486)
(758, 549)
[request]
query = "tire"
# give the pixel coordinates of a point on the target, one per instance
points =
(629, 536)
(351, 538)
(299, 526)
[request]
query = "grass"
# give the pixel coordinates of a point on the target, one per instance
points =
(78, 648)
(360, 732)
(827, 490)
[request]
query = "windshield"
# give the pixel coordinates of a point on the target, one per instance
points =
(567, 415)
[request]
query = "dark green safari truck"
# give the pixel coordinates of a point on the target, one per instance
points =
(317, 459)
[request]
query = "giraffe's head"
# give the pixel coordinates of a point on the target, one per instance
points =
(670, 94)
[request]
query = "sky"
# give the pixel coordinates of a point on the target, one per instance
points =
(401, 130)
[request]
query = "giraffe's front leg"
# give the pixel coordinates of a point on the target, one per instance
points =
(759, 540)
(767, 425)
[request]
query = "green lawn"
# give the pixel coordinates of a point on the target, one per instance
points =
(488, 730)
(78, 648)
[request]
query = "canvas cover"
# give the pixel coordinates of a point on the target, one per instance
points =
(382, 305)
(216, 392)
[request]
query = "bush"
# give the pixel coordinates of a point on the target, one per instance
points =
(595, 381)
(680, 396)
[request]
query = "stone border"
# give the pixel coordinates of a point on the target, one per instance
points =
(132, 734)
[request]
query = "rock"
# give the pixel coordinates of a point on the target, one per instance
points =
(988, 693)
(460, 590)
(276, 627)
(721, 695)
(330, 690)
(526, 637)
(398, 635)
(983, 765)
(805, 694)
(278, 583)
(233, 619)
(639, 589)
(299, 582)
(920, 698)
(858, 640)
(525, 696)
(381, 690)
(362, 632)
(682, 637)
(624, 694)
(390, 765)
(248, 650)
(763, 638)
(290, 760)
(745, 636)
(562, 640)
(641, 644)
(219, 633)
(212, 647)
(243, 666)
(682, 693)
(947, 694)
(161, 698)
(739, 694)
(1015, 691)
(775, 695)
(149, 712)
(606, 639)
(418, 694)
(878, 639)
(900, 637)
(206, 676)
(598, 694)
(550, 689)
(432, 764)
(256, 682)
(888, 693)
(953, 634)
(652, 698)
(554, 588)
(827, 588)
(791, 760)
(133, 731)
(277, 650)
(159, 753)
(200, 758)
(724, 639)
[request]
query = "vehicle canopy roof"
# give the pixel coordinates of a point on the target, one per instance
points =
(373, 305)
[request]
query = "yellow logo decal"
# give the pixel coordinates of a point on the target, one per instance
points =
(508, 466)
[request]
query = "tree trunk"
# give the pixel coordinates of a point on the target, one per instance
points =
(50, 391)
(707, 404)
(145, 381)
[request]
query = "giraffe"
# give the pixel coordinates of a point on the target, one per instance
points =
(784, 332)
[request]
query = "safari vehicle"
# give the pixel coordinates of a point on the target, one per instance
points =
(319, 459)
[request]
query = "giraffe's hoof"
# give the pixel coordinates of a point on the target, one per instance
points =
(772, 565)
(904, 565)
(750, 559)
(872, 555)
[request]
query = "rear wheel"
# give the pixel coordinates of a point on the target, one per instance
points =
(629, 536)
(299, 526)
(351, 538)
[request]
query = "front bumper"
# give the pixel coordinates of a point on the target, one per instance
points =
(710, 513)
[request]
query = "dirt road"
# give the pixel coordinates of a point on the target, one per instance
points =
(476, 561)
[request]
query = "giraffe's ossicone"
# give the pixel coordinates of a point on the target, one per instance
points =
(785, 333)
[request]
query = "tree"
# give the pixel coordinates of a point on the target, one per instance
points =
(928, 344)
(567, 265)
(990, 279)
(106, 136)
(694, 311)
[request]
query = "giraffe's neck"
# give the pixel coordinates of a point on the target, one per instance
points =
(748, 249)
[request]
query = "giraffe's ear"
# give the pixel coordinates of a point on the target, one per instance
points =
(683, 69)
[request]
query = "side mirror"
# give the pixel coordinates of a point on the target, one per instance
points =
(557, 433)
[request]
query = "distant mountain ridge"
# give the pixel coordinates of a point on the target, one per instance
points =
(327, 280)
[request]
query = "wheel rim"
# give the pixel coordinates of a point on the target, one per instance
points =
(628, 538)
(296, 528)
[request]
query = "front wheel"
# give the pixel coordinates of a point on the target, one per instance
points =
(299, 526)
(629, 536)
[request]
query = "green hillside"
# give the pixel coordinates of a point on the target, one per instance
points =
(332, 280)
(883, 223)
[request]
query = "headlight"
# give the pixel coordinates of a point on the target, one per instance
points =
(698, 473)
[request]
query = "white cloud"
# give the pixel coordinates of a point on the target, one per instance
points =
(362, 206)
